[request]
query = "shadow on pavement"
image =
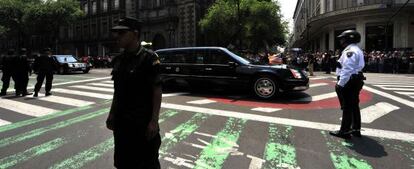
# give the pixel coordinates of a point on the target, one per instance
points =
(367, 146)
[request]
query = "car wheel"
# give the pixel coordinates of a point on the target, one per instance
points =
(265, 87)
(86, 71)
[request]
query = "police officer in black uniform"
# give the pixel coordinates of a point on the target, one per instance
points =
(45, 66)
(349, 85)
(9, 71)
(23, 71)
(133, 117)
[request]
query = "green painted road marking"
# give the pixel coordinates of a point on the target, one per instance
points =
(84, 157)
(181, 132)
(43, 118)
(214, 155)
(342, 160)
(39, 131)
(279, 152)
(79, 160)
(167, 114)
(30, 153)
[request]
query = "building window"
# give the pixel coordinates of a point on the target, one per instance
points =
(85, 7)
(93, 7)
(379, 38)
(105, 5)
(116, 4)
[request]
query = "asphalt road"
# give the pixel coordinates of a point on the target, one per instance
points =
(213, 128)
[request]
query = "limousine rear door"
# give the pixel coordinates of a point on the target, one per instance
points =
(220, 67)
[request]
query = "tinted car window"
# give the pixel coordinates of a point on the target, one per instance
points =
(217, 57)
(173, 57)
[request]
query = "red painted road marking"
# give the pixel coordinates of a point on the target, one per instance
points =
(331, 103)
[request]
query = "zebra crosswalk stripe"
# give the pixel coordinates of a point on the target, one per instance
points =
(4, 122)
(82, 93)
(395, 85)
(371, 113)
(64, 100)
(409, 94)
(93, 88)
(25, 108)
(317, 97)
(101, 85)
(108, 81)
(318, 84)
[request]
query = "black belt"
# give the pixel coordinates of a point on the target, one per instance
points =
(359, 76)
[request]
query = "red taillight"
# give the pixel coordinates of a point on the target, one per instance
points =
(296, 73)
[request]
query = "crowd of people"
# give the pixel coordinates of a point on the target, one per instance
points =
(375, 61)
(98, 61)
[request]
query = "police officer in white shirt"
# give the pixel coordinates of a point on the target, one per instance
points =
(349, 85)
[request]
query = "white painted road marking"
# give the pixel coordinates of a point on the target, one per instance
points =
(371, 113)
(199, 102)
(292, 122)
(266, 109)
(101, 85)
(318, 84)
(410, 94)
(93, 88)
(392, 97)
(3, 122)
(62, 100)
(256, 162)
(398, 86)
(80, 93)
(108, 81)
(172, 94)
(397, 89)
(317, 97)
(24, 108)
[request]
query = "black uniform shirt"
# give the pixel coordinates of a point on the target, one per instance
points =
(135, 74)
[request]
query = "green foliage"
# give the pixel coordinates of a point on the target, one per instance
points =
(27, 17)
(256, 24)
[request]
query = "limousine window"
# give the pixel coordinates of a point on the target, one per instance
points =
(174, 57)
(217, 57)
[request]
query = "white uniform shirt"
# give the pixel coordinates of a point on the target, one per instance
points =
(352, 62)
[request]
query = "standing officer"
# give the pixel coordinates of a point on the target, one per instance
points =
(45, 66)
(136, 104)
(9, 71)
(349, 85)
(22, 73)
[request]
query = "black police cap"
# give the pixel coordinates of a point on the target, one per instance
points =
(351, 36)
(127, 23)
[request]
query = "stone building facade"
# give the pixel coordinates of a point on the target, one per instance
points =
(318, 22)
(167, 23)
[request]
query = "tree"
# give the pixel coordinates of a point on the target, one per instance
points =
(256, 24)
(37, 17)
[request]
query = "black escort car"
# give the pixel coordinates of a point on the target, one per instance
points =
(217, 66)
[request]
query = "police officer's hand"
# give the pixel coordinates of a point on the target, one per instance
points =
(152, 129)
(110, 122)
(338, 87)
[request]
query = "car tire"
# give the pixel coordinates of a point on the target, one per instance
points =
(86, 71)
(265, 87)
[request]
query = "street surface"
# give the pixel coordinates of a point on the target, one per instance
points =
(213, 129)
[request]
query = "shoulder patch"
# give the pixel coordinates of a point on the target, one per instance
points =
(349, 54)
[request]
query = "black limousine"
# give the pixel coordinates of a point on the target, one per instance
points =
(217, 66)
